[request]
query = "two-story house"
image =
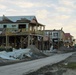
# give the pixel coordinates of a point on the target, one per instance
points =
(20, 31)
(56, 37)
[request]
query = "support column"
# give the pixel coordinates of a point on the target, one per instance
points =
(15, 41)
(28, 39)
(21, 42)
(2, 41)
(7, 41)
(43, 35)
(43, 27)
(40, 27)
(36, 28)
(28, 35)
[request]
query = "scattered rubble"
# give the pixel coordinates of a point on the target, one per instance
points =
(19, 55)
(30, 52)
(33, 53)
(15, 54)
(65, 49)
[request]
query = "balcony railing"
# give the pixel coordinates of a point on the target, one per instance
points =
(13, 31)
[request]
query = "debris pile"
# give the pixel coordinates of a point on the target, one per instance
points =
(15, 54)
(64, 49)
(31, 52)
(35, 52)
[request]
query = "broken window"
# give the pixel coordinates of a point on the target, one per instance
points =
(4, 26)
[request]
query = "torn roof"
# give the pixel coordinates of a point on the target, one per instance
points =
(15, 18)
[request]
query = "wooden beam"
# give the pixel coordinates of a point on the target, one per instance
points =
(21, 42)
(28, 35)
(6, 41)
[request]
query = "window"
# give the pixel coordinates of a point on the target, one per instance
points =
(22, 26)
(5, 26)
(55, 34)
(47, 33)
(13, 25)
(50, 33)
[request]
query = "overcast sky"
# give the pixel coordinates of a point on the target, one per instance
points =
(55, 14)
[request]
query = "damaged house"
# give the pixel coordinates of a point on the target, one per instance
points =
(20, 31)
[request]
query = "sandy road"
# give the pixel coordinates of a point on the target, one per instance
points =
(25, 67)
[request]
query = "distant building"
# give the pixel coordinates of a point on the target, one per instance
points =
(74, 41)
(20, 31)
(55, 36)
(69, 39)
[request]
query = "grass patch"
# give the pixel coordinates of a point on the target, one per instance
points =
(71, 65)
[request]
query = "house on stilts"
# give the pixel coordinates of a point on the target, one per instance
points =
(21, 31)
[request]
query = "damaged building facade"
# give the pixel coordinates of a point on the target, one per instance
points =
(21, 31)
